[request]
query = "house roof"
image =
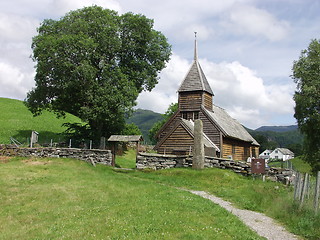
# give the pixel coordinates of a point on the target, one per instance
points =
(285, 151)
(229, 126)
(195, 79)
(266, 151)
(125, 138)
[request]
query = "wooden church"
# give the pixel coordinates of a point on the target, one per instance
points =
(223, 136)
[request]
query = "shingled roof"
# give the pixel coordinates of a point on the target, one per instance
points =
(125, 138)
(195, 79)
(229, 126)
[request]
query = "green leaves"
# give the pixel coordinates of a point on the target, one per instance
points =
(306, 73)
(93, 63)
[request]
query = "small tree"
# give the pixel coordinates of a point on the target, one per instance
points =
(93, 63)
(306, 73)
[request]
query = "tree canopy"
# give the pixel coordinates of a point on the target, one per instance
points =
(306, 74)
(93, 63)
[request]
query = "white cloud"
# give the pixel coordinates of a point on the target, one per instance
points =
(232, 36)
(247, 19)
(244, 95)
(165, 92)
(15, 28)
(13, 81)
(61, 7)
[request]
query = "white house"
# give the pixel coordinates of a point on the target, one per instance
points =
(265, 154)
(281, 154)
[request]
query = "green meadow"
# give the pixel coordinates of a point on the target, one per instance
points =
(18, 122)
(70, 199)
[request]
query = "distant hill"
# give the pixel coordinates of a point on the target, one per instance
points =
(17, 121)
(144, 119)
(272, 137)
(277, 128)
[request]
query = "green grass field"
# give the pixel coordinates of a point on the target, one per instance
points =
(17, 121)
(297, 162)
(70, 199)
(273, 199)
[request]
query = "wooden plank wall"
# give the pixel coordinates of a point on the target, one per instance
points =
(190, 101)
(254, 151)
(169, 127)
(207, 101)
(179, 140)
(239, 150)
(210, 130)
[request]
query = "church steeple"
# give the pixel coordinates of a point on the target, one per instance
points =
(195, 80)
(195, 90)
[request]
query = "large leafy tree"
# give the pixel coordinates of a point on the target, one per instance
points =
(93, 63)
(306, 73)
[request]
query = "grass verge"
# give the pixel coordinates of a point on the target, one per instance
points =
(69, 199)
(273, 199)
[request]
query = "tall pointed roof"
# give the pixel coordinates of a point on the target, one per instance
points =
(195, 80)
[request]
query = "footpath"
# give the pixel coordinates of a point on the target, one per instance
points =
(258, 222)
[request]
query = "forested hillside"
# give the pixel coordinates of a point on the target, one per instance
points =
(291, 139)
(144, 119)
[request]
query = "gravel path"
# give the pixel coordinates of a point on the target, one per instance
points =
(258, 222)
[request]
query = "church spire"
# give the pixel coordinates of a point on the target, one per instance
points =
(195, 47)
(195, 79)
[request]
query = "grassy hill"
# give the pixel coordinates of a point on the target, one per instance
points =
(17, 121)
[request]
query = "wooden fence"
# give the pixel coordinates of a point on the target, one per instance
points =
(307, 190)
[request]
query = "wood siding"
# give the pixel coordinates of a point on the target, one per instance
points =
(254, 151)
(169, 127)
(237, 150)
(210, 130)
(189, 101)
(207, 101)
(179, 141)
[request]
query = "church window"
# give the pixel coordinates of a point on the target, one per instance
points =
(184, 115)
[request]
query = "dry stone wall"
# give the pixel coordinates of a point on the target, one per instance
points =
(95, 156)
(158, 161)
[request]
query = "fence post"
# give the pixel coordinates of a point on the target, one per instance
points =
(317, 193)
(297, 186)
(304, 188)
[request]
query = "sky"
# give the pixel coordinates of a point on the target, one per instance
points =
(246, 49)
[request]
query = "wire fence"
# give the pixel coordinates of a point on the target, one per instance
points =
(60, 142)
(307, 190)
